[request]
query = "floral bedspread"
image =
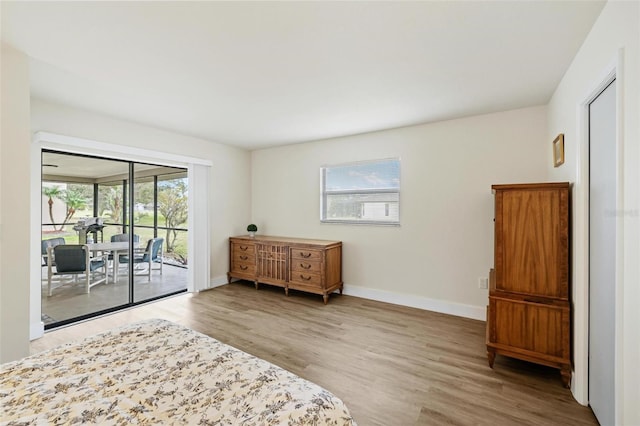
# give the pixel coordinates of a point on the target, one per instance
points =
(158, 372)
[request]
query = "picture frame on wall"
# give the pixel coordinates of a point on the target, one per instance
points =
(558, 150)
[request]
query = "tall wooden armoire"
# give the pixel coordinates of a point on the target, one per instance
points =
(529, 309)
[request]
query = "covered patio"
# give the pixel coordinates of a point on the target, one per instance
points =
(71, 301)
(116, 198)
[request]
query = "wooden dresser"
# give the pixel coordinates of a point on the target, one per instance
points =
(529, 309)
(314, 266)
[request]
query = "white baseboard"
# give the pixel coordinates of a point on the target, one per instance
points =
(457, 309)
(218, 281)
(36, 330)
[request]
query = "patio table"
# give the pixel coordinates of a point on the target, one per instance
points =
(116, 248)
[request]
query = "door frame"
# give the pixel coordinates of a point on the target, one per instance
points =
(580, 386)
(197, 168)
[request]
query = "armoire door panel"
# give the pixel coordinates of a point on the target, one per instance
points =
(532, 251)
(536, 328)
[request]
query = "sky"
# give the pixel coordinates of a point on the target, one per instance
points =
(382, 174)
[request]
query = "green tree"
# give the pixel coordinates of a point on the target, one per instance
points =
(144, 192)
(83, 189)
(173, 205)
(75, 200)
(111, 199)
(52, 192)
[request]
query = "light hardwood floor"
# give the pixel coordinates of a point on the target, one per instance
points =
(391, 365)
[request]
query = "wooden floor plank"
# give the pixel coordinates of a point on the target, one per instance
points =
(391, 365)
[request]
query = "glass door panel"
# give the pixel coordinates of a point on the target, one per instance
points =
(160, 219)
(78, 213)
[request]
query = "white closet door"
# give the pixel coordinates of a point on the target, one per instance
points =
(602, 254)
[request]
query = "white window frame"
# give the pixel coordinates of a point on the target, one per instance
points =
(324, 193)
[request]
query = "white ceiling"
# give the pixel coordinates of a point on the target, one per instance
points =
(257, 74)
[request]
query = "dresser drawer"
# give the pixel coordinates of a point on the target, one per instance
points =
(305, 266)
(306, 279)
(242, 257)
(301, 253)
(244, 268)
(238, 248)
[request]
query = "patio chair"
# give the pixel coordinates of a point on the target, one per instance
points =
(45, 244)
(151, 255)
(75, 260)
(119, 238)
(123, 238)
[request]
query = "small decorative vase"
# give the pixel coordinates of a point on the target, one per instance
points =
(252, 234)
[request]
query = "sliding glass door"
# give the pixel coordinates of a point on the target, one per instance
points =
(123, 228)
(160, 213)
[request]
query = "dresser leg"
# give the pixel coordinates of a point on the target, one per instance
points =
(228, 278)
(256, 284)
(565, 372)
(325, 297)
(491, 356)
(286, 291)
(341, 286)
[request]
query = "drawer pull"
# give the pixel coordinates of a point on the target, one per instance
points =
(244, 257)
(244, 268)
(305, 278)
(305, 265)
(244, 248)
(305, 255)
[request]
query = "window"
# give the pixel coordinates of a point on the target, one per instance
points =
(365, 192)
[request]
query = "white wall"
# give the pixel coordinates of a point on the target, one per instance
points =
(230, 184)
(14, 206)
(445, 241)
(614, 42)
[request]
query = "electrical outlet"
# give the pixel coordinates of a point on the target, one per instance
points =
(483, 282)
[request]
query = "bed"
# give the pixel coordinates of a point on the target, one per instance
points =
(158, 372)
